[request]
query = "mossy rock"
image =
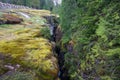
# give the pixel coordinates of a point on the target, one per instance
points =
(34, 53)
(25, 45)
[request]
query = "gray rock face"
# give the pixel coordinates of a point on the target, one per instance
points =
(12, 6)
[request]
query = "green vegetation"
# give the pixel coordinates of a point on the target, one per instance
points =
(57, 9)
(19, 76)
(94, 28)
(45, 32)
(90, 41)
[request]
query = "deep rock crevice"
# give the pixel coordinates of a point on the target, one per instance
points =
(56, 37)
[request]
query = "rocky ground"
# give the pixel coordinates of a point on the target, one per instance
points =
(25, 49)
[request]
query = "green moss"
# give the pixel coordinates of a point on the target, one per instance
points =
(26, 44)
(13, 48)
(36, 52)
(19, 76)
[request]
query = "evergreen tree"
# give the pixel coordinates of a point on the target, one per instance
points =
(48, 5)
(93, 26)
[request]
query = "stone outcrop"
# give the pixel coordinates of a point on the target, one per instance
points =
(10, 19)
(12, 6)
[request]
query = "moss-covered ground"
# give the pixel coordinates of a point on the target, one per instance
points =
(25, 44)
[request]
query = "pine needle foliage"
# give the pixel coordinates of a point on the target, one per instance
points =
(94, 26)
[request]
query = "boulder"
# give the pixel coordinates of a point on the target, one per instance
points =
(11, 19)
